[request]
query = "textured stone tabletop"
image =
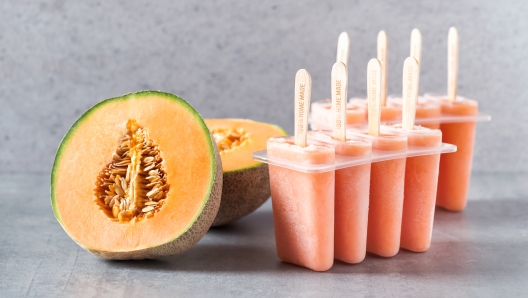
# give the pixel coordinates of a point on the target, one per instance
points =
(481, 252)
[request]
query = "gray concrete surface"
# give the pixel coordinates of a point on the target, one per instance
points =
(480, 252)
(239, 58)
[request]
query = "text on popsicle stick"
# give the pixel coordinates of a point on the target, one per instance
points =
(374, 96)
(410, 92)
(339, 84)
(303, 90)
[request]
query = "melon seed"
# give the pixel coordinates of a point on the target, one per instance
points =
(130, 188)
(228, 139)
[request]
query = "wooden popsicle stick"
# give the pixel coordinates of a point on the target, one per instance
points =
(416, 45)
(416, 51)
(452, 63)
(383, 58)
(374, 96)
(409, 92)
(339, 79)
(303, 92)
(343, 48)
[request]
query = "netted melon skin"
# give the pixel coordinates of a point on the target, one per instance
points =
(243, 192)
(187, 239)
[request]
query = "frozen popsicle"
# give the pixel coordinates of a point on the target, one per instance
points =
(386, 178)
(352, 183)
(421, 180)
(351, 197)
(322, 114)
(303, 203)
(425, 109)
(352, 203)
(390, 113)
(455, 168)
(321, 111)
(428, 112)
(357, 107)
(386, 197)
(421, 172)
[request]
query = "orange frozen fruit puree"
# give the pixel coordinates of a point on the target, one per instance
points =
(352, 204)
(386, 197)
(427, 111)
(421, 178)
(303, 205)
(455, 168)
(355, 114)
(351, 200)
(426, 108)
(390, 113)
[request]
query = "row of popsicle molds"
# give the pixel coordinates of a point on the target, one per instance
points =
(321, 194)
(456, 119)
(431, 110)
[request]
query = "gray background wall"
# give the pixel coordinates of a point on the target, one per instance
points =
(239, 58)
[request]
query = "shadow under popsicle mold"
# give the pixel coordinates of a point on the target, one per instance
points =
(483, 240)
(460, 246)
(448, 259)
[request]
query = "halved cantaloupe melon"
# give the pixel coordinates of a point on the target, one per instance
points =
(246, 181)
(138, 176)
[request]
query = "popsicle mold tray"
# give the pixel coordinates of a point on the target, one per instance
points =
(342, 162)
(320, 116)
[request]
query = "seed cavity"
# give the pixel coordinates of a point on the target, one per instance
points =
(228, 139)
(133, 186)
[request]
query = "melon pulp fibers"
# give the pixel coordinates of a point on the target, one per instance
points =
(137, 176)
(246, 181)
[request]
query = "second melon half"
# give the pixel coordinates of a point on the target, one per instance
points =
(245, 181)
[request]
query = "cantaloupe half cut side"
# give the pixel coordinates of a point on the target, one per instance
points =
(246, 181)
(153, 226)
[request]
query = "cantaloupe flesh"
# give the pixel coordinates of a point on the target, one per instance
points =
(241, 157)
(88, 149)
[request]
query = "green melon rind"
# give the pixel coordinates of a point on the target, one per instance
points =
(208, 209)
(243, 192)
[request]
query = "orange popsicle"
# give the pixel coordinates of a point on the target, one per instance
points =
(355, 115)
(455, 168)
(425, 109)
(351, 200)
(387, 180)
(421, 178)
(386, 177)
(390, 113)
(303, 205)
(352, 204)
